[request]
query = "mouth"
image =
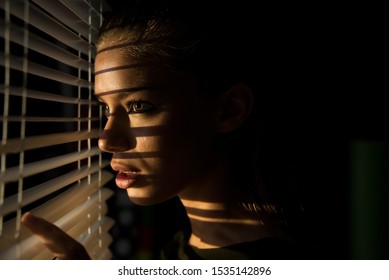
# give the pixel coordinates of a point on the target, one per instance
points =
(125, 179)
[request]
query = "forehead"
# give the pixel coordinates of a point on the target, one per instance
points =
(113, 59)
(115, 70)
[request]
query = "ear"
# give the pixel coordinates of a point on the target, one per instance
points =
(234, 106)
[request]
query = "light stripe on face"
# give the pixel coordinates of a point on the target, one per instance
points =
(125, 91)
(114, 47)
(122, 67)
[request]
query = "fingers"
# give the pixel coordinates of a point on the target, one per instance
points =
(61, 244)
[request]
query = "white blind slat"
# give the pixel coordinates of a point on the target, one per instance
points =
(79, 8)
(103, 237)
(56, 208)
(96, 4)
(30, 247)
(87, 230)
(47, 48)
(40, 141)
(49, 25)
(66, 16)
(29, 93)
(12, 174)
(90, 227)
(33, 194)
(79, 214)
(46, 119)
(47, 58)
(105, 255)
(97, 246)
(104, 252)
(44, 71)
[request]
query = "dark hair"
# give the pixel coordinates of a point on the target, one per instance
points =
(219, 46)
(214, 43)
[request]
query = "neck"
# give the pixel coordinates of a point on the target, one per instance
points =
(217, 225)
(216, 217)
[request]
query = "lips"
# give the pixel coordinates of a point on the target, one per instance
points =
(125, 180)
(127, 174)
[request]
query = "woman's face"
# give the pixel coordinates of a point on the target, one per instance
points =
(159, 128)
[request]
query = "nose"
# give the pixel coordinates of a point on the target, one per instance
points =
(116, 137)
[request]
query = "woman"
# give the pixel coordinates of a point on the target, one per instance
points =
(179, 87)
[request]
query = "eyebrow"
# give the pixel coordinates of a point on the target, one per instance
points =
(117, 68)
(123, 91)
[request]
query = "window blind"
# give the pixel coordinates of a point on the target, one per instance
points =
(50, 163)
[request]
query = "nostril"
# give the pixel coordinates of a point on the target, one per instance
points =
(108, 146)
(114, 141)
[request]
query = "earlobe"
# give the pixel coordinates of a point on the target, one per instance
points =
(234, 106)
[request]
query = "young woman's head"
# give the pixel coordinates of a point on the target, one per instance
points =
(179, 81)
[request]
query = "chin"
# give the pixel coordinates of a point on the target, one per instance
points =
(147, 200)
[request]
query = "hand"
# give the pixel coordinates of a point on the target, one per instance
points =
(62, 245)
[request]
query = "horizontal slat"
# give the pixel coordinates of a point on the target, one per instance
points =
(90, 235)
(98, 246)
(105, 243)
(30, 195)
(45, 119)
(56, 208)
(81, 209)
(67, 17)
(45, 72)
(25, 249)
(93, 226)
(29, 248)
(12, 173)
(77, 217)
(43, 252)
(84, 215)
(50, 26)
(47, 48)
(32, 249)
(81, 8)
(18, 91)
(106, 255)
(95, 5)
(71, 27)
(80, 212)
(105, 224)
(34, 142)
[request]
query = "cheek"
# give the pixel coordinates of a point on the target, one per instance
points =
(186, 146)
(148, 144)
(183, 142)
(178, 145)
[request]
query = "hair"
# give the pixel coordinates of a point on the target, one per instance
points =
(219, 46)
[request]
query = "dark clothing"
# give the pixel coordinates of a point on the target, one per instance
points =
(265, 248)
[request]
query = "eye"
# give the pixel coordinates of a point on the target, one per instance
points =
(137, 107)
(105, 109)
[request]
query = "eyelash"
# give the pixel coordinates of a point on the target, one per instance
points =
(149, 107)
